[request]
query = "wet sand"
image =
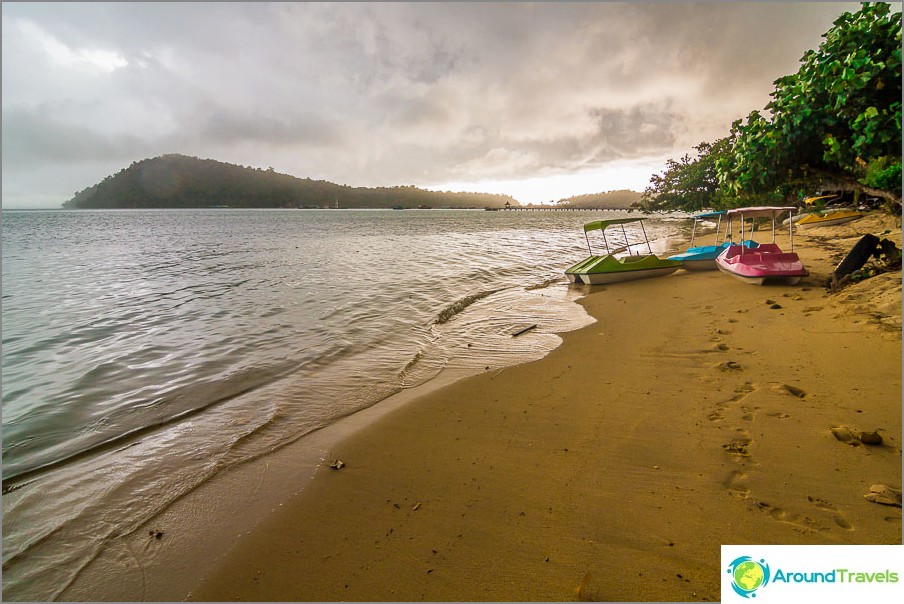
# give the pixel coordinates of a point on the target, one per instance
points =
(697, 411)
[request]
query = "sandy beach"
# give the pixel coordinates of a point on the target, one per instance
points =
(697, 411)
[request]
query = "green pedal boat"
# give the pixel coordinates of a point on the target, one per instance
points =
(609, 268)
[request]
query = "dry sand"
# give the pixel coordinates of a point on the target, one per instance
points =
(697, 411)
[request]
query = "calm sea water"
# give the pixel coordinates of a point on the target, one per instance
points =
(145, 351)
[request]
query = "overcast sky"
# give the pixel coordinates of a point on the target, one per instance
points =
(538, 100)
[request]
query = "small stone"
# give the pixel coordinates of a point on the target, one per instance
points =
(843, 434)
(775, 306)
(871, 438)
(794, 390)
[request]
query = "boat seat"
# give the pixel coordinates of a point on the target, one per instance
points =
(629, 259)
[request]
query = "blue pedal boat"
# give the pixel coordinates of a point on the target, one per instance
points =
(703, 257)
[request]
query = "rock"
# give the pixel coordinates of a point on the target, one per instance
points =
(337, 465)
(843, 433)
(884, 494)
(870, 438)
(794, 390)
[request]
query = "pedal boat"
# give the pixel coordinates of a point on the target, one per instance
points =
(767, 262)
(703, 257)
(609, 268)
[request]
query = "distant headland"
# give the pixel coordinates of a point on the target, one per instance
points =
(181, 181)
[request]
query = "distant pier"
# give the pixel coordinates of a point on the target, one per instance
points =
(565, 209)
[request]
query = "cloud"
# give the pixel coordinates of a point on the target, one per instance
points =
(34, 135)
(385, 93)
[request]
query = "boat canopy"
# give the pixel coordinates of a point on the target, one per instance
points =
(709, 215)
(702, 216)
(602, 225)
(599, 225)
(760, 211)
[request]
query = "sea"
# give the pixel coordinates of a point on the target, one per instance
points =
(145, 351)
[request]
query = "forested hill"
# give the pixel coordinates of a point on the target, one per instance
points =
(179, 181)
(623, 199)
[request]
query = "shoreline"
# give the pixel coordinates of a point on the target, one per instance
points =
(548, 493)
(584, 475)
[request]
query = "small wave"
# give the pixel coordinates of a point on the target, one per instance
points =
(546, 283)
(108, 432)
(459, 305)
(414, 361)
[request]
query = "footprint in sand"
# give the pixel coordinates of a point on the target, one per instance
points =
(741, 392)
(738, 484)
(739, 446)
(779, 415)
(802, 522)
(830, 509)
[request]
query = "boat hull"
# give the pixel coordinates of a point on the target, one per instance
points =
(703, 258)
(603, 278)
(827, 220)
(597, 270)
(765, 264)
(708, 264)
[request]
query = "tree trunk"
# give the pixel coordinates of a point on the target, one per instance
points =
(848, 183)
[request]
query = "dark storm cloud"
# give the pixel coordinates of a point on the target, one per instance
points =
(222, 126)
(385, 93)
(647, 129)
(34, 135)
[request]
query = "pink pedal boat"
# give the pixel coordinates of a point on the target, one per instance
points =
(767, 262)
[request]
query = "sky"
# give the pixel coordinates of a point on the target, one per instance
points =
(541, 101)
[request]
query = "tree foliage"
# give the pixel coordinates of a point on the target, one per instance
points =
(838, 119)
(836, 123)
(690, 184)
(179, 181)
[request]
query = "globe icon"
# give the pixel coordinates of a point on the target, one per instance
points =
(748, 575)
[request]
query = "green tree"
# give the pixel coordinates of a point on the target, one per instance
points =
(837, 120)
(690, 183)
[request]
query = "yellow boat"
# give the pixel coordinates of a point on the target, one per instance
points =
(828, 217)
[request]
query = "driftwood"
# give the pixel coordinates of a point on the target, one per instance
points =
(886, 252)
